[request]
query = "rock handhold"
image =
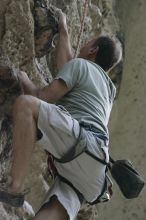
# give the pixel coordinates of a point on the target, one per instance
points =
(10, 88)
(46, 26)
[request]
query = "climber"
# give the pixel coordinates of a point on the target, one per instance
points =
(84, 94)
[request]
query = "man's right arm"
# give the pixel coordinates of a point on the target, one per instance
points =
(64, 51)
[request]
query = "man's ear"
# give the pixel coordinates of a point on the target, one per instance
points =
(93, 51)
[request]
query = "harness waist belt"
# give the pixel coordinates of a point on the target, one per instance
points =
(92, 128)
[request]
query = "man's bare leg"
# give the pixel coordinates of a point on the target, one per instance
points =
(25, 114)
(53, 210)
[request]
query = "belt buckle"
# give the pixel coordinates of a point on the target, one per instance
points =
(91, 127)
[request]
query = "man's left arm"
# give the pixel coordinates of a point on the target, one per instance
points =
(53, 92)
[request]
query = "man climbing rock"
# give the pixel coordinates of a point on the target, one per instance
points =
(70, 114)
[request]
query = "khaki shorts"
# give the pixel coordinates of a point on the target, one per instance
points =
(60, 132)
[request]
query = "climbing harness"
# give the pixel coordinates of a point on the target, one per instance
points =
(85, 7)
(76, 150)
(123, 172)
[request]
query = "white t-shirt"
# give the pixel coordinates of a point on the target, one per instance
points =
(91, 94)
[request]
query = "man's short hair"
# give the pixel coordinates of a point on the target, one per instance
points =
(109, 53)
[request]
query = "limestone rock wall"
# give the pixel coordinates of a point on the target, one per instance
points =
(20, 42)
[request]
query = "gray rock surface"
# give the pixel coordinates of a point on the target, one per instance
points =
(21, 42)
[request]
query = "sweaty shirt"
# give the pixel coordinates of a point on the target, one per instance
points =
(91, 93)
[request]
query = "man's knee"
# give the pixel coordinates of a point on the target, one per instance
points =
(52, 210)
(22, 103)
(26, 104)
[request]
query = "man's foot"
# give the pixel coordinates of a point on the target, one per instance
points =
(12, 198)
(15, 200)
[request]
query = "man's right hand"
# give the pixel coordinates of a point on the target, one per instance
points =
(62, 22)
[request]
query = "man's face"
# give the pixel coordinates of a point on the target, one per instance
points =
(87, 49)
